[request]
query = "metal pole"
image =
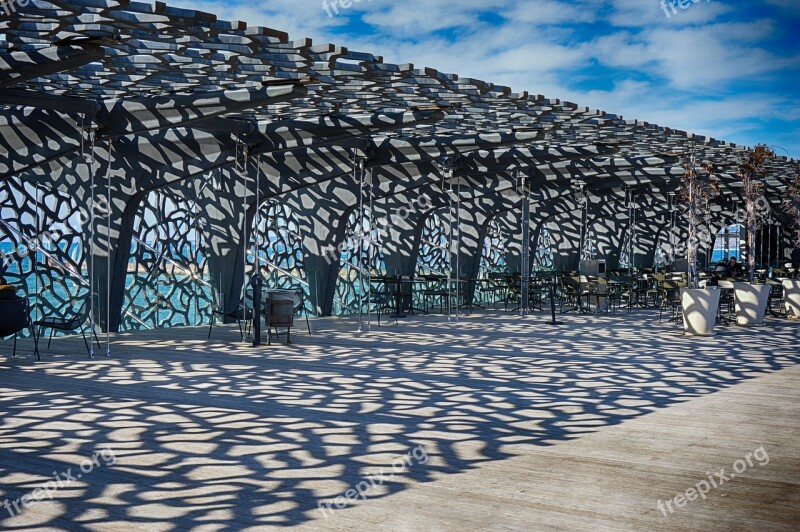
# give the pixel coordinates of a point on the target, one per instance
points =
(628, 204)
(257, 282)
(360, 233)
(36, 250)
(448, 176)
(108, 247)
(583, 229)
(769, 246)
(633, 232)
(526, 247)
(371, 190)
(241, 168)
(92, 245)
(458, 249)
(198, 320)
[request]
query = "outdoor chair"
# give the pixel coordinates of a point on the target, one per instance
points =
(537, 290)
(574, 292)
(622, 288)
(14, 318)
(599, 289)
(300, 304)
(382, 299)
(435, 289)
(70, 322)
(670, 298)
(616, 291)
(727, 301)
(654, 288)
(242, 313)
(775, 305)
(494, 283)
(513, 292)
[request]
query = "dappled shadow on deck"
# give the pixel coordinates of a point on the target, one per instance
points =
(217, 434)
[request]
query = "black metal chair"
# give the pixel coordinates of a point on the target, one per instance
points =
(242, 313)
(494, 283)
(775, 306)
(513, 293)
(14, 318)
(436, 288)
(72, 322)
(670, 295)
(727, 301)
(300, 305)
(382, 299)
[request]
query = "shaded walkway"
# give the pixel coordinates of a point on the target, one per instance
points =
(219, 435)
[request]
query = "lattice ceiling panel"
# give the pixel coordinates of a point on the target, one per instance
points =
(144, 50)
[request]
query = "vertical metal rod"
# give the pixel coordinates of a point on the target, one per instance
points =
(371, 191)
(672, 235)
(108, 247)
(580, 242)
(36, 250)
(633, 232)
(92, 244)
(245, 238)
(197, 273)
(357, 169)
(161, 205)
(629, 204)
(257, 236)
(458, 249)
(526, 247)
(769, 247)
(451, 280)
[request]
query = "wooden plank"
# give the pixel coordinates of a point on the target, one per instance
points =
(583, 426)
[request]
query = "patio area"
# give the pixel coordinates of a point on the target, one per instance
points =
(497, 420)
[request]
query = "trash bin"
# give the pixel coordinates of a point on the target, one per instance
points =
(279, 313)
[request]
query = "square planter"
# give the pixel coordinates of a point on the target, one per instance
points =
(791, 298)
(751, 303)
(700, 307)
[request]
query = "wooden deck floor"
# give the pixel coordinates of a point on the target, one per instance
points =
(504, 423)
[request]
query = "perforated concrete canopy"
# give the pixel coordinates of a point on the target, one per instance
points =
(155, 97)
(131, 67)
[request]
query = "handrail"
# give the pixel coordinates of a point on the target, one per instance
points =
(265, 262)
(78, 277)
(47, 254)
(163, 255)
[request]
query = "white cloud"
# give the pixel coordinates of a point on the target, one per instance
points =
(685, 72)
(642, 13)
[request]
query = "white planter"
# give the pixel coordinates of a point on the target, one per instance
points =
(791, 298)
(699, 310)
(751, 302)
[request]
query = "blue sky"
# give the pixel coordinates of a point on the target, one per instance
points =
(720, 68)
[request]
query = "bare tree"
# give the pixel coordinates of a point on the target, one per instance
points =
(698, 188)
(752, 172)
